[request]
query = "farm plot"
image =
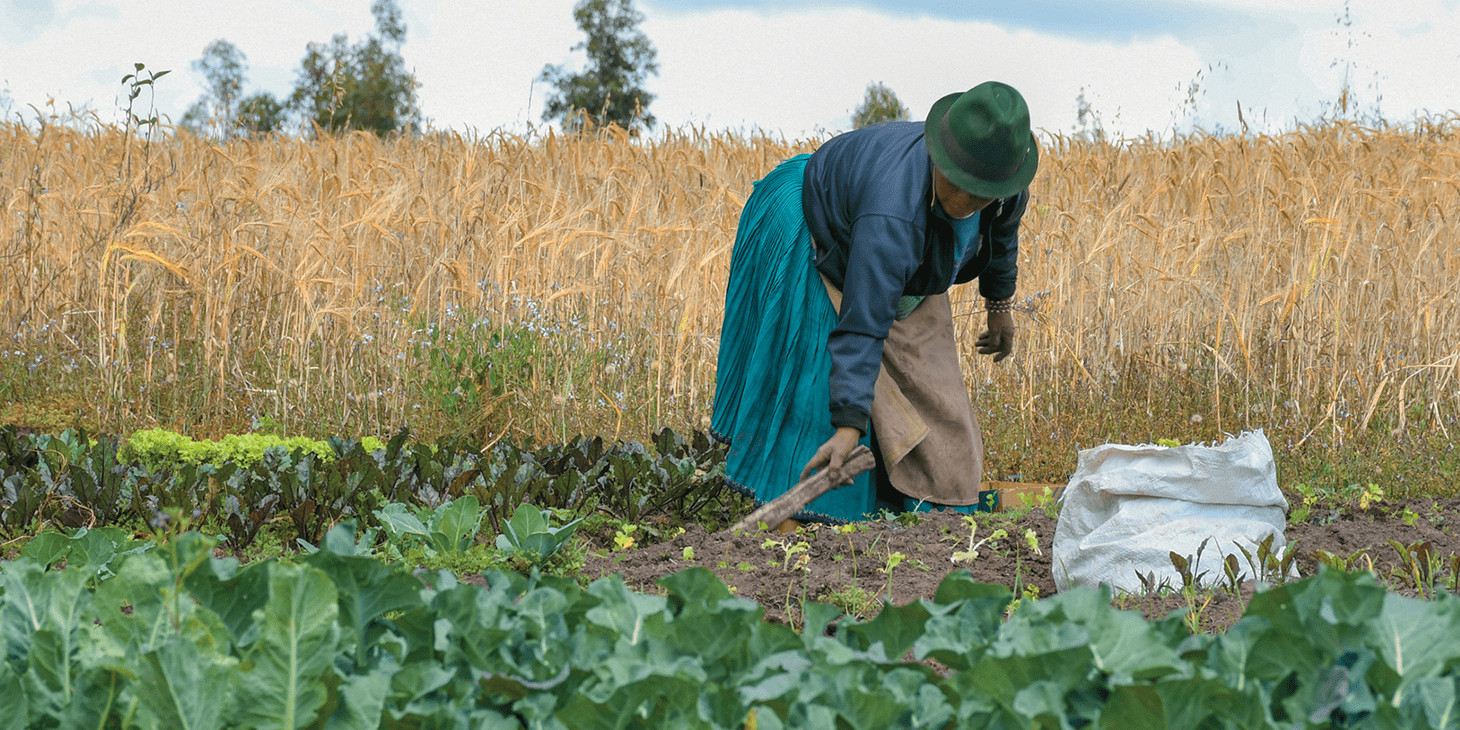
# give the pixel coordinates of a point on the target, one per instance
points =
(1411, 546)
(440, 606)
(528, 290)
(644, 511)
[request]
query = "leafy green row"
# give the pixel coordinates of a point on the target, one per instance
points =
(140, 635)
(74, 480)
(159, 448)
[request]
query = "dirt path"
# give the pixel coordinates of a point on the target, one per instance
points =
(850, 568)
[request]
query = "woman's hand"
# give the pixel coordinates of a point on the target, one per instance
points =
(998, 339)
(834, 452)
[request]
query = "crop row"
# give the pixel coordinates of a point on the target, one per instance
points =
(143, 634)
(74, 480)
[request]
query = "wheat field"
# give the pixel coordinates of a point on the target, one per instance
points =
(1304, 281)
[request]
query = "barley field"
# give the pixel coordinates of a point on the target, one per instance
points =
(544, 286)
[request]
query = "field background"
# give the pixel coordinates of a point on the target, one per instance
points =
(541, 287)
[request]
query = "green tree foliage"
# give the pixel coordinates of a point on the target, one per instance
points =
(879, 105)
(261, 113)
(362, 86)
(223, 67)
(620, 59)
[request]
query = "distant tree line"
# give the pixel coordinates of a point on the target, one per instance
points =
(366, 85)
(878, 105)
(611, 89)
(338, 86)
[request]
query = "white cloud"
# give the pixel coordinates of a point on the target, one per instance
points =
(733, 68)
(477, 67)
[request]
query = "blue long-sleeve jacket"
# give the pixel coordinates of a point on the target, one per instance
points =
(867, 198)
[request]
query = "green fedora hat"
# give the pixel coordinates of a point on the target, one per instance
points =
(981, 140)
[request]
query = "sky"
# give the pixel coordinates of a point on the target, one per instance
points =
(793, 68)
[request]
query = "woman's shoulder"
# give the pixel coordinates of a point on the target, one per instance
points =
(879, 140)
(884, 168)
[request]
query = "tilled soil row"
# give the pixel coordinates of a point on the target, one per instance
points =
(854, 567)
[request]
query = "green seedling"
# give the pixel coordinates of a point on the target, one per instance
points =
(1194, 613)
(1307, 498)
(1233, 573)
(1191, 582)
(1149, 584)
(1268, 565)
(789, 549)
(1333, 500)
(1409, 516)
(969, 555)
(451, 528)
(1188, 565)
(854, 601)
(1028, 594)
(893, 560)
(910, 518)
(1347, 563)
(530, 535)
(1031, 538)
(623, 537)
(1046, 501)
(1371, 495)
(1420, 565)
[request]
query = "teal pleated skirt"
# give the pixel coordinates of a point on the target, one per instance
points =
(772, 403)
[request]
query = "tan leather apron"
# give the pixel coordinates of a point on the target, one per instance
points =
(928, 434)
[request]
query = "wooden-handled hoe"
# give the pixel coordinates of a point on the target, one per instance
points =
(781, 508)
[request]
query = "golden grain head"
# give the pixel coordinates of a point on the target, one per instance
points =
(1283, 255)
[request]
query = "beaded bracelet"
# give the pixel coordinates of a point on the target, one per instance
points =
(999, 305)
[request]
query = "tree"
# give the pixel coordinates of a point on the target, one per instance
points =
(220, 112)
(260, 113)
(620, 59)
(222, 67)
(879, 105)
(1087, 121)
(364, 86)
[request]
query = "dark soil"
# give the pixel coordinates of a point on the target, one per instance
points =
(838, 564)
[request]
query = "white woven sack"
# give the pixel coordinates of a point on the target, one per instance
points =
(1127, 508)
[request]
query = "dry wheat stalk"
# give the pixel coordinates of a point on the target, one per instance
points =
(1321, 261)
